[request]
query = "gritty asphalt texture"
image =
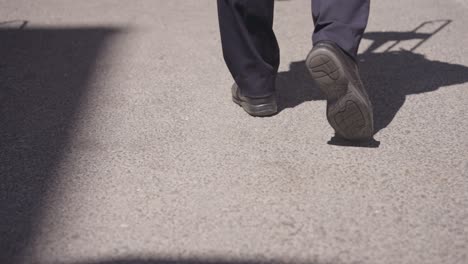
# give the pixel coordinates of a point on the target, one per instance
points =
(119, 142)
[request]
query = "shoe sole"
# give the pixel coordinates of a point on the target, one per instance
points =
(260, 110)
(347, 110)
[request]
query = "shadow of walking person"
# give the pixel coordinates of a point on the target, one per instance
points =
(388, 76)
(391, 76)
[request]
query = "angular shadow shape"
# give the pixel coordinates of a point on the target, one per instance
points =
(44, 75)
(389, 77)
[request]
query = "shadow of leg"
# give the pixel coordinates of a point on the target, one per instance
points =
(389, 77)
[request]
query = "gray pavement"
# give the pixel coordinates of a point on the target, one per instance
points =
(119, 143)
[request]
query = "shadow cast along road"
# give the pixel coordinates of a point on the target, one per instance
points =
(44, 75)
(389, 77)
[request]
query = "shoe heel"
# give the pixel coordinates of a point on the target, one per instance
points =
(327, 75)
(261, 109)
(266, 106)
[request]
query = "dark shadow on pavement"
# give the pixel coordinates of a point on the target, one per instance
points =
(338, 141)
(389, 77)
(198, 261)
(44, 74)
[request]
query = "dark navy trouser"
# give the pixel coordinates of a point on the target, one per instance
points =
(249, 44)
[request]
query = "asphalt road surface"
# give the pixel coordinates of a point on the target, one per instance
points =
(119, 142)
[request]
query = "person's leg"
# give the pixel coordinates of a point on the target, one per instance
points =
(249, 45)
(339, 25)
(340, 21)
